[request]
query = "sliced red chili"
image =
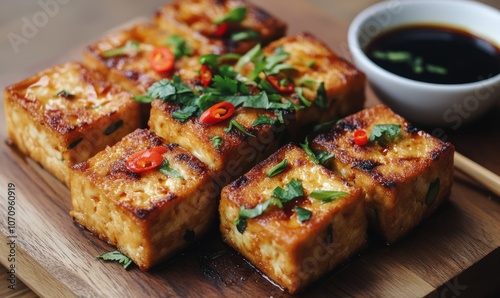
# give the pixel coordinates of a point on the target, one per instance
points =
(145, 160)
(281, 87)
(205, 75)
(221, 30)
(217, 113)
(360, 137)
(162, 59)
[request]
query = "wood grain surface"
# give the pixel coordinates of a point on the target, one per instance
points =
(454, 253)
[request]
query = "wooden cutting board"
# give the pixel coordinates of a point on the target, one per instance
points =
(453, 253)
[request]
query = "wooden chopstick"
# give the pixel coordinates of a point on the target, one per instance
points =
(482, 175)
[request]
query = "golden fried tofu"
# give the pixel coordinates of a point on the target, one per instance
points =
(228, 153)
(230, 25)
(405, 172)
(343, 85)
(293, 219)
(124, 55)
(66, 114)
(150, 215)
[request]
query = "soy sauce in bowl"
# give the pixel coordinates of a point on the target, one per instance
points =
(435, 54)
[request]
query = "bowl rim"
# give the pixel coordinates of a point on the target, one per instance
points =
(357, 51)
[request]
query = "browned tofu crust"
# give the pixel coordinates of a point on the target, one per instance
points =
(59, 130)
(149, 216)
(293, 253)
(315, 63)
(197, 17)
(396, 176)
(237, 151)
(132, 69)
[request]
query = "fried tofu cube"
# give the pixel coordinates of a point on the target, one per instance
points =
(343, 85)
(148, 216)
(124, 55)
(228, 153)
(66, 114)
(231, 25)
(405, 172)
(321, 221)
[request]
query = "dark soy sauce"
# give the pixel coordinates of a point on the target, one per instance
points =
(435, 54)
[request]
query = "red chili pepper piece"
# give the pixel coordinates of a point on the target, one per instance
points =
(205, 75)
(360, 137)
(217, 113)
(281, 88)
(145, 160)
(162, 59)
(221, 30)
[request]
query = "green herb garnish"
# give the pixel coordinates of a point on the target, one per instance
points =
(302, 214)
(237, 15)
(165, 168)
(277, 169)
(321, 100)
(116, 256)
(216, 141)
(308, 151)
(244, 213)
(184, 113)
(130, 48)
(294, 190)
(179, 46)
(245, 35)
(144, 98)
(384, 132)
(323, 156)
(74, 143)
(433, 192)
(416, 63)
(113, 127)
(302, 99)
(327, 196)
(263, 120)
(234, 124)
(65, 94)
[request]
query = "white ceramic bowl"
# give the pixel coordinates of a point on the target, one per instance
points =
(420, 102)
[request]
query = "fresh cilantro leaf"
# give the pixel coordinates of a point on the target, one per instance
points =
(216, 141)
(211, 60)
(165, 168)
(130, 48)
(184, 113)
(180, 46)
(237, 15)
(252, 55)
(173, 91)
(302, 214)
(245, 35)
(234, 124)
(277, 57)
(323, 156)
(327, 196)
(303, 100)
(321, 100)
(225, 85)
(116, 256)
(294, 190)
(280, 116)
(144, 98)
(384, 132)
(308, 83)
(277, 169)
(263, 120)
(65, 94)
(258, 210)
(227, 70)
(309, 152)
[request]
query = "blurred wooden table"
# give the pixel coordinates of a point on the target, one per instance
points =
(72, 23)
